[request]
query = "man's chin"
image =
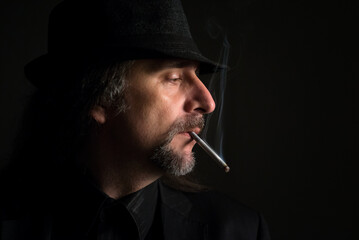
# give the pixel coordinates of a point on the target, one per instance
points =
(174, 162)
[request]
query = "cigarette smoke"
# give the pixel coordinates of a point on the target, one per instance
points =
(215, 31)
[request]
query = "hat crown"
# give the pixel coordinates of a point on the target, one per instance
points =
(83, 33)
(85, 26)
(149, 17)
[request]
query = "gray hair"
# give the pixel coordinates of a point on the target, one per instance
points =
(106, 84)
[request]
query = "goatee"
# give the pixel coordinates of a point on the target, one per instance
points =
(166, 158)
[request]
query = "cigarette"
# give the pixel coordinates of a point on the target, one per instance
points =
(210, 151)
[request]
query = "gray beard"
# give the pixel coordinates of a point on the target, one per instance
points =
(173, 163)
(167, 159)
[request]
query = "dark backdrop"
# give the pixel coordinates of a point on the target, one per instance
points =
(290, 119)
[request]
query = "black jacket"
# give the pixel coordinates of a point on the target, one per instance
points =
(208, 215)
(185, 216)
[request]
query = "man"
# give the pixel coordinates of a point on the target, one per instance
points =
(118, 94)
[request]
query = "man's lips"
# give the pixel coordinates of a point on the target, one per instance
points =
(196, 130)
(186, 134)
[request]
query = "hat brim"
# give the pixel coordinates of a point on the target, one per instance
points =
(41, 70)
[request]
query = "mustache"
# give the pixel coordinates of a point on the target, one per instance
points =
(185, 124)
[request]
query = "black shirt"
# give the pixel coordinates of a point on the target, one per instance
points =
(91, 214)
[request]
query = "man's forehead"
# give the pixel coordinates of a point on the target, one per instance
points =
(158, 64)
(179, 63)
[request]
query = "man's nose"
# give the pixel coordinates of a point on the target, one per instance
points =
(199, 98)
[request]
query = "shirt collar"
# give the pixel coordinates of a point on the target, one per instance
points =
(82, 203)
(141, 205)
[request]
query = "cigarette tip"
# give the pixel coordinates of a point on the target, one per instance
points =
(226, 169)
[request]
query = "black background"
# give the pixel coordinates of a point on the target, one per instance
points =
(290, 106)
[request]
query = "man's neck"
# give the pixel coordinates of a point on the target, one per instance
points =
(118, 173)
(120, 179)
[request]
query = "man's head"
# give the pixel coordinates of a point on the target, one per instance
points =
(162, 100)
(132, 67)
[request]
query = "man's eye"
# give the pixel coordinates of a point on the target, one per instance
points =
(174, 80)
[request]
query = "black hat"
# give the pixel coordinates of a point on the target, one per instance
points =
(84, 32)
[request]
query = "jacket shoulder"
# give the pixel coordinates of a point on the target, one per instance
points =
(227, 218)
(214, 205)
(224, 217)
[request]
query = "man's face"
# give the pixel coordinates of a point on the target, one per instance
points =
(165, 100)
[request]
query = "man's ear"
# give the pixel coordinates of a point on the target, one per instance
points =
(98, 113)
